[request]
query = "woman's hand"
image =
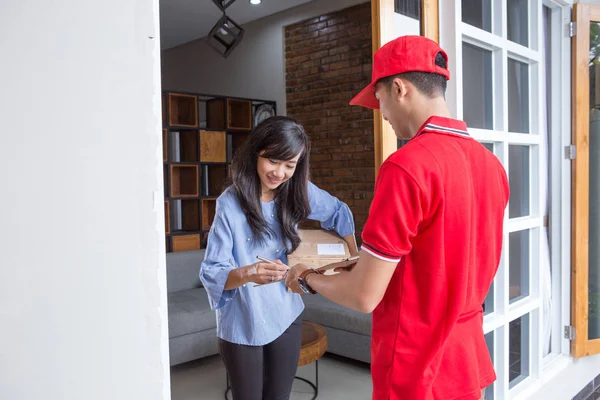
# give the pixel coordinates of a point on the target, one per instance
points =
(262, 272)
(291, 280)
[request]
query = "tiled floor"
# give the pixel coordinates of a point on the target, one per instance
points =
(339, 379)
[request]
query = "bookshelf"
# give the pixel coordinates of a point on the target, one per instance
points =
(200, 135)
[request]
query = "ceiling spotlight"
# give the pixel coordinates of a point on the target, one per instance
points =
(255, 2)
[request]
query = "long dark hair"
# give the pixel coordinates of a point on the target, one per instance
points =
(281, 138)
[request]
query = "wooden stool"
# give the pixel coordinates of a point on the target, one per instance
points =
(314, 345)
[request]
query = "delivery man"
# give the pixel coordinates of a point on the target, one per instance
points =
(432, 242)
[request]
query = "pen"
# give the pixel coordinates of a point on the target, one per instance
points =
(265, 260)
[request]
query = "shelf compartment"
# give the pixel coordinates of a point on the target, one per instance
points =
(184, 146)
(213, 146)
(237, 141)
(209, 207)
(185, 242)
(167, 217)
(215, 114)
(230, 114)
(214, 179)
(239, 114)
(184, 181)
(185, 215)
(183, 110)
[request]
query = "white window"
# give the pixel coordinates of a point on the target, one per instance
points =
(499, 51)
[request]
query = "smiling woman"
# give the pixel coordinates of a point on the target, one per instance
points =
(258, 216)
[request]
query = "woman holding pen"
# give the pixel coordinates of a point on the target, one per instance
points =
(259, 327)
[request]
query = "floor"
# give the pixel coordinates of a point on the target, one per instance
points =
(339, 379)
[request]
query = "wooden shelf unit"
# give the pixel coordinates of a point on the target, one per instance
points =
(201, 133)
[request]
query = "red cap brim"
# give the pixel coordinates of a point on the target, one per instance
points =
(366, 98)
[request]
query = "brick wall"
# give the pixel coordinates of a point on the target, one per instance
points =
(328, 61)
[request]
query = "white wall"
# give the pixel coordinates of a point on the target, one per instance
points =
(255, 68)
(82, 259)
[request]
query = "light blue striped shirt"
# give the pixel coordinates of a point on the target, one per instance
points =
(251, 315)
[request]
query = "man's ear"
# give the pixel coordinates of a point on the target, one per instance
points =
(399, 88)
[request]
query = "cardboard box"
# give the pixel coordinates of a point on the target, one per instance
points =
(318, 248)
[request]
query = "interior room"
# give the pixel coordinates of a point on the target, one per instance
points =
(223, 71)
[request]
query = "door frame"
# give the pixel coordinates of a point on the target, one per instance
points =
(382, 22)
(582, 16)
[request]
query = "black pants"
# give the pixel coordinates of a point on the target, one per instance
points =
(263, 372)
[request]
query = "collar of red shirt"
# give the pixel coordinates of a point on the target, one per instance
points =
(449, 126)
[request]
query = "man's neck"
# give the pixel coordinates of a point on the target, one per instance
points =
(427, 109)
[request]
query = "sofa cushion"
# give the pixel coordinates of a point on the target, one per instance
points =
(183, 269)
(189, 312)
(326, 313)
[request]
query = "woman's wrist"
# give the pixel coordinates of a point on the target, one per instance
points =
(238, 277)
(246, 273)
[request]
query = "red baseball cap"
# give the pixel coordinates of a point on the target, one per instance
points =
(403, 54)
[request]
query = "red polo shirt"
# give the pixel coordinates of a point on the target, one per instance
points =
(438, 212)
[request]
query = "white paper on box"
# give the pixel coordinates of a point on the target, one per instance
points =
(331, 249)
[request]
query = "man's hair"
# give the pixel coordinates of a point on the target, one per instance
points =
(430, 84)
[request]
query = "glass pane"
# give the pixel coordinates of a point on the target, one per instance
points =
(518, 178)
(488, 306)
(518, 264)
(477, 90)
(518, 357)
(518, 96)
(407, 18)
(489, 340)
(478, 13)
(594, 239)
(402, 142)
(489, 146)
(517, 15)
(409, 8)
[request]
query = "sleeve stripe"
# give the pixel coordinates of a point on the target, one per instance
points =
(380, 255)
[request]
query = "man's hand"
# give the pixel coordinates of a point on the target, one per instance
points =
(291, 281)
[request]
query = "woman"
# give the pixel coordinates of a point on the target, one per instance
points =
(259, 327)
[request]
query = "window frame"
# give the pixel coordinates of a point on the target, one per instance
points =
(454, 32)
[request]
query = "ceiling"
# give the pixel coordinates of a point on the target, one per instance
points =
(182, 21)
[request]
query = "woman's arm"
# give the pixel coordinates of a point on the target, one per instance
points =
(218, 260)
(333, 215)
(352, 246)
(259, 273)
(218, 272)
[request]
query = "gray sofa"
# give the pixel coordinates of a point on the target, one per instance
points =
(192, 324)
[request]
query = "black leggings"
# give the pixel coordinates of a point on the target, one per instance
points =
(263, 372)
